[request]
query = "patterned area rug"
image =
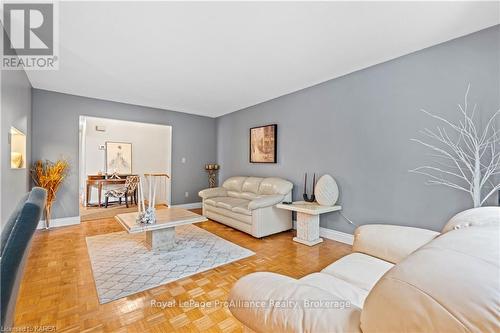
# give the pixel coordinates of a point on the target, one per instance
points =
(122, 265)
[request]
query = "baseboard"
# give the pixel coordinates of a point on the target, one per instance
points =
(65, 221)
(61, 222)
(335, 235)
(192, 205)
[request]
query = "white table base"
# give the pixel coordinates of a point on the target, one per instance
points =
(160, 239)
(307, 229)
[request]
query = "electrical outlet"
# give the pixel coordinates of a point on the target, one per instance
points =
(186, 194)
(102, 147)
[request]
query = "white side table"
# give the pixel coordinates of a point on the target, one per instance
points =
(308, 220)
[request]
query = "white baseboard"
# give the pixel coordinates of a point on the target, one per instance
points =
(61, 222)
(191, 205)
(65, 221)
(335, 235)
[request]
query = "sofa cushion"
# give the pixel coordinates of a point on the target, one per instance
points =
(280, 316)
(473, 217)
(252, 184)
(337, 287)
(448, 285)
(359, 269)
(234, 183)
(229, 203)
(242, 195)
(275, 186)
(248, 196)
(213, 201)
(242, 209)
(246, 219)
(265, 201)
(213, 192)
(391, 243)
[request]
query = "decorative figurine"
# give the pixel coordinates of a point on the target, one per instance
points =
(327, 191)
(305, 195)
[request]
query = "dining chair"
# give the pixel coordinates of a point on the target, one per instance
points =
(126, 191)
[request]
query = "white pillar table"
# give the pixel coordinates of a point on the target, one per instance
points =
(308, 220)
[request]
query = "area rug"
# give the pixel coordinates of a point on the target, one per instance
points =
(122, 264)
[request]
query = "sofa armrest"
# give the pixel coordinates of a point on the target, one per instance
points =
(213, 192)
(391, 243)
(265, 201)
(269, 302)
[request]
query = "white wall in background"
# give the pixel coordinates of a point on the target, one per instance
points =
(151, 149)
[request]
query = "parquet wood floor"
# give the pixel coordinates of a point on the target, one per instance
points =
(58, 289)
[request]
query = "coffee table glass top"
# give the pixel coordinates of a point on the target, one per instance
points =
(165, 218)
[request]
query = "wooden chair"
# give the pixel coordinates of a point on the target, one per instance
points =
(128, 190)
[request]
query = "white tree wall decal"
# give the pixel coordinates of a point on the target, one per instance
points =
(468, 158)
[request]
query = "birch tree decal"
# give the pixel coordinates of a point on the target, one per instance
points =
(467, 156)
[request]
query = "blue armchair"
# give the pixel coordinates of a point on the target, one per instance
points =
(15, 242)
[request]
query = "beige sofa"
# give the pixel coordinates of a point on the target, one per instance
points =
(398, 279)
(248, 204)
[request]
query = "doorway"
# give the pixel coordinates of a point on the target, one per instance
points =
(112, 151)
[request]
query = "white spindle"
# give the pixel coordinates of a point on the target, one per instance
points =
(154, 191)
(149, 196)
(141, 197)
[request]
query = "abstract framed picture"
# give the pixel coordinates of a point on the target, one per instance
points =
(263, 144)
(118, 158)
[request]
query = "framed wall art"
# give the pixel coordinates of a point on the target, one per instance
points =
(263, 144)
(118, 158)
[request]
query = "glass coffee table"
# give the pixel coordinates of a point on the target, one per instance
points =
(160, 235)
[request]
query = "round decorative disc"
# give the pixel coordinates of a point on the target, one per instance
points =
(326, 191)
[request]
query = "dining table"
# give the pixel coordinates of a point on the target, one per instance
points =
(99, 182)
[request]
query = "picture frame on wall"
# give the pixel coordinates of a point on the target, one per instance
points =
(118, 158)
(263, 144)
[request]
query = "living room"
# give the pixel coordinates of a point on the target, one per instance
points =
(340, 159)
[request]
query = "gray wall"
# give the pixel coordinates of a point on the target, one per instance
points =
(16, 111)
(358, 129)
(55, 135)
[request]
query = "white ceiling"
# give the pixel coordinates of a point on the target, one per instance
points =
(214, 58)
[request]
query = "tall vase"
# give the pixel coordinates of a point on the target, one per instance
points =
(48, 212)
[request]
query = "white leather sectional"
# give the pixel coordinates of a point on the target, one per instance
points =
(248, 204)
(398, 279)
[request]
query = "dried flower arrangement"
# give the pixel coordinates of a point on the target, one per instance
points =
(49, 175)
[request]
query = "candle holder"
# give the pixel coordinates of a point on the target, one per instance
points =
(147, 215)
(305, 196)
(212, 170)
